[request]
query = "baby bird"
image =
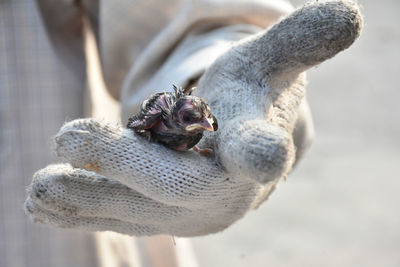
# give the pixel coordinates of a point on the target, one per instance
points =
(175, 119)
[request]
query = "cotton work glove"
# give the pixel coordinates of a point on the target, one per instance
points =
(115, 180)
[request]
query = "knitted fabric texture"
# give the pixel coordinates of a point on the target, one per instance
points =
(138, 188)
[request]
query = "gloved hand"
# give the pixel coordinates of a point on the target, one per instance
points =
(140, 188)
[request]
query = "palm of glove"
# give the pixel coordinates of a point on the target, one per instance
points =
(141, 188)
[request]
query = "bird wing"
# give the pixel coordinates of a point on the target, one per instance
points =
(150, 113)
(143, 122)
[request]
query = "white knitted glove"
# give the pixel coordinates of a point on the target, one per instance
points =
(142, 188)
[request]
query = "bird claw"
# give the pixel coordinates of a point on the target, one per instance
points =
(206, 152)
(146, 134)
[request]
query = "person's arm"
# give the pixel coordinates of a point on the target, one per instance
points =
(63, 21)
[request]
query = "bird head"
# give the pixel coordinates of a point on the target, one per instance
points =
(193, 115)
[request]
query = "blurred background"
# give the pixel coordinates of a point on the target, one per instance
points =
(340, 206)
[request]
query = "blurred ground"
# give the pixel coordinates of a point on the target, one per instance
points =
(340, 207)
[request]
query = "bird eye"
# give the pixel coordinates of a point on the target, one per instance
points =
(186, 118)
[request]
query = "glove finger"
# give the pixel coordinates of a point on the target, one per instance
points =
(68, 191)
(305, 38)
(183, 228)
(41, 215)
(254, 148)
(303, 133)
(183, 179)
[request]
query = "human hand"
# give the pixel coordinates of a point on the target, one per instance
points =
(139, 188)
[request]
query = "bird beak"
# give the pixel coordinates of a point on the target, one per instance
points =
(206, 124)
